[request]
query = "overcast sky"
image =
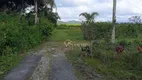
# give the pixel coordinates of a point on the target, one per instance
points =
(70, 9)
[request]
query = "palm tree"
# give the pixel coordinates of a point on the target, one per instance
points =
(89, 17)
(52, 4)
(113, 21)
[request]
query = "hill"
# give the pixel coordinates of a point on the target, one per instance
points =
(69, 22)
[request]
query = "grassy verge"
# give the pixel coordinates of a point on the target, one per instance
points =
(8, 62)
(74, 58)
(82, 70)
(128, 67)
(105, 63)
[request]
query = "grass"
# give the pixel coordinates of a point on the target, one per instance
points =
(66, 34)
(111, 72)
(74, 58)
(104, 62)
(126, 68)
(114, 71)
(8, 62)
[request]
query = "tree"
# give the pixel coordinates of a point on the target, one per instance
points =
(135, 19)
(51, 3)
(89, 17)
(113, 21)
(36, 11)
(18, 4)
(48, 13)
(44, 3)
(87, 26)
(21, 4)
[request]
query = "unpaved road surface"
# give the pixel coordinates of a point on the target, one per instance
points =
(54, 65)
(61, 69)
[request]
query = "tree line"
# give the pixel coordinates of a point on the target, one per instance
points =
(19, 6)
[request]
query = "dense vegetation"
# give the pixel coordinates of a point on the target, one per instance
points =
(22, 29)
(18, 34)
(128, 67)
(102, 30)
(105, 61)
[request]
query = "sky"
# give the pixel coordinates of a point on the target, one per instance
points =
(70, 9)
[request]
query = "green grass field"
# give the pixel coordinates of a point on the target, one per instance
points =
(66, 34)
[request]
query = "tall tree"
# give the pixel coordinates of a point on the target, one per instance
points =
(42, 3)
(52, 4)
(113, 21)
(4, 5)
(36, 11)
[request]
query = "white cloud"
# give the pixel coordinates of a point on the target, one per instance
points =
(70, 9)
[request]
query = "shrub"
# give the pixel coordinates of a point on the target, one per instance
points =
(103, 30)
(128, 30)
(99, 30)
(17, 35)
